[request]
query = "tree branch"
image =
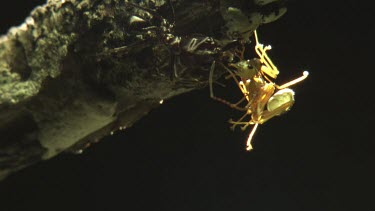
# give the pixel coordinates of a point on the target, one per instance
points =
(77, 70)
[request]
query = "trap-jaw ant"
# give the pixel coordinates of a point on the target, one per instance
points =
(253, 79)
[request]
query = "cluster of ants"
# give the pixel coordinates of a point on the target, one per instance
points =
(262, 98)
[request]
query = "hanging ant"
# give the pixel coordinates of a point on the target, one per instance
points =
(252, 78)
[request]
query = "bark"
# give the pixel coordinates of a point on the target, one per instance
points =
(77, 70)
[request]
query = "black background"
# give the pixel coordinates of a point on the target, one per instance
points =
(183, 156)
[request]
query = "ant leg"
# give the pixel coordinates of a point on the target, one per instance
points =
(195, 43)
(239, 122)
(268, 66)
(241, 86)
(297, 80)
(240, 52)
(210, 81)
(248, 142)
(177, 66)
(231, 74)
(246, 124)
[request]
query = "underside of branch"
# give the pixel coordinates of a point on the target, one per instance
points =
(76, 70)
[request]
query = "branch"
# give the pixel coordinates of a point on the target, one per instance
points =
(77, 70)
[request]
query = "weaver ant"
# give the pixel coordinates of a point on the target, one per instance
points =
(252, 77)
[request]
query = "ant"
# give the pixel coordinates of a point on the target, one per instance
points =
(263, 103)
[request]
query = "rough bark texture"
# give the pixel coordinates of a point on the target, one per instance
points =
(77, 70)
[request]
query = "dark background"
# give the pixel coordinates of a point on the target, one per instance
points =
(183, 156)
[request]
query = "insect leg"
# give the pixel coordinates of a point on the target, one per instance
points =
(240, 122)
(268, 67)
(210, 81)
(248, 142)
(245, 125)
(241, 86)
(297, 80)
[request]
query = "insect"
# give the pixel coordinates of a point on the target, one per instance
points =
(253, 79)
